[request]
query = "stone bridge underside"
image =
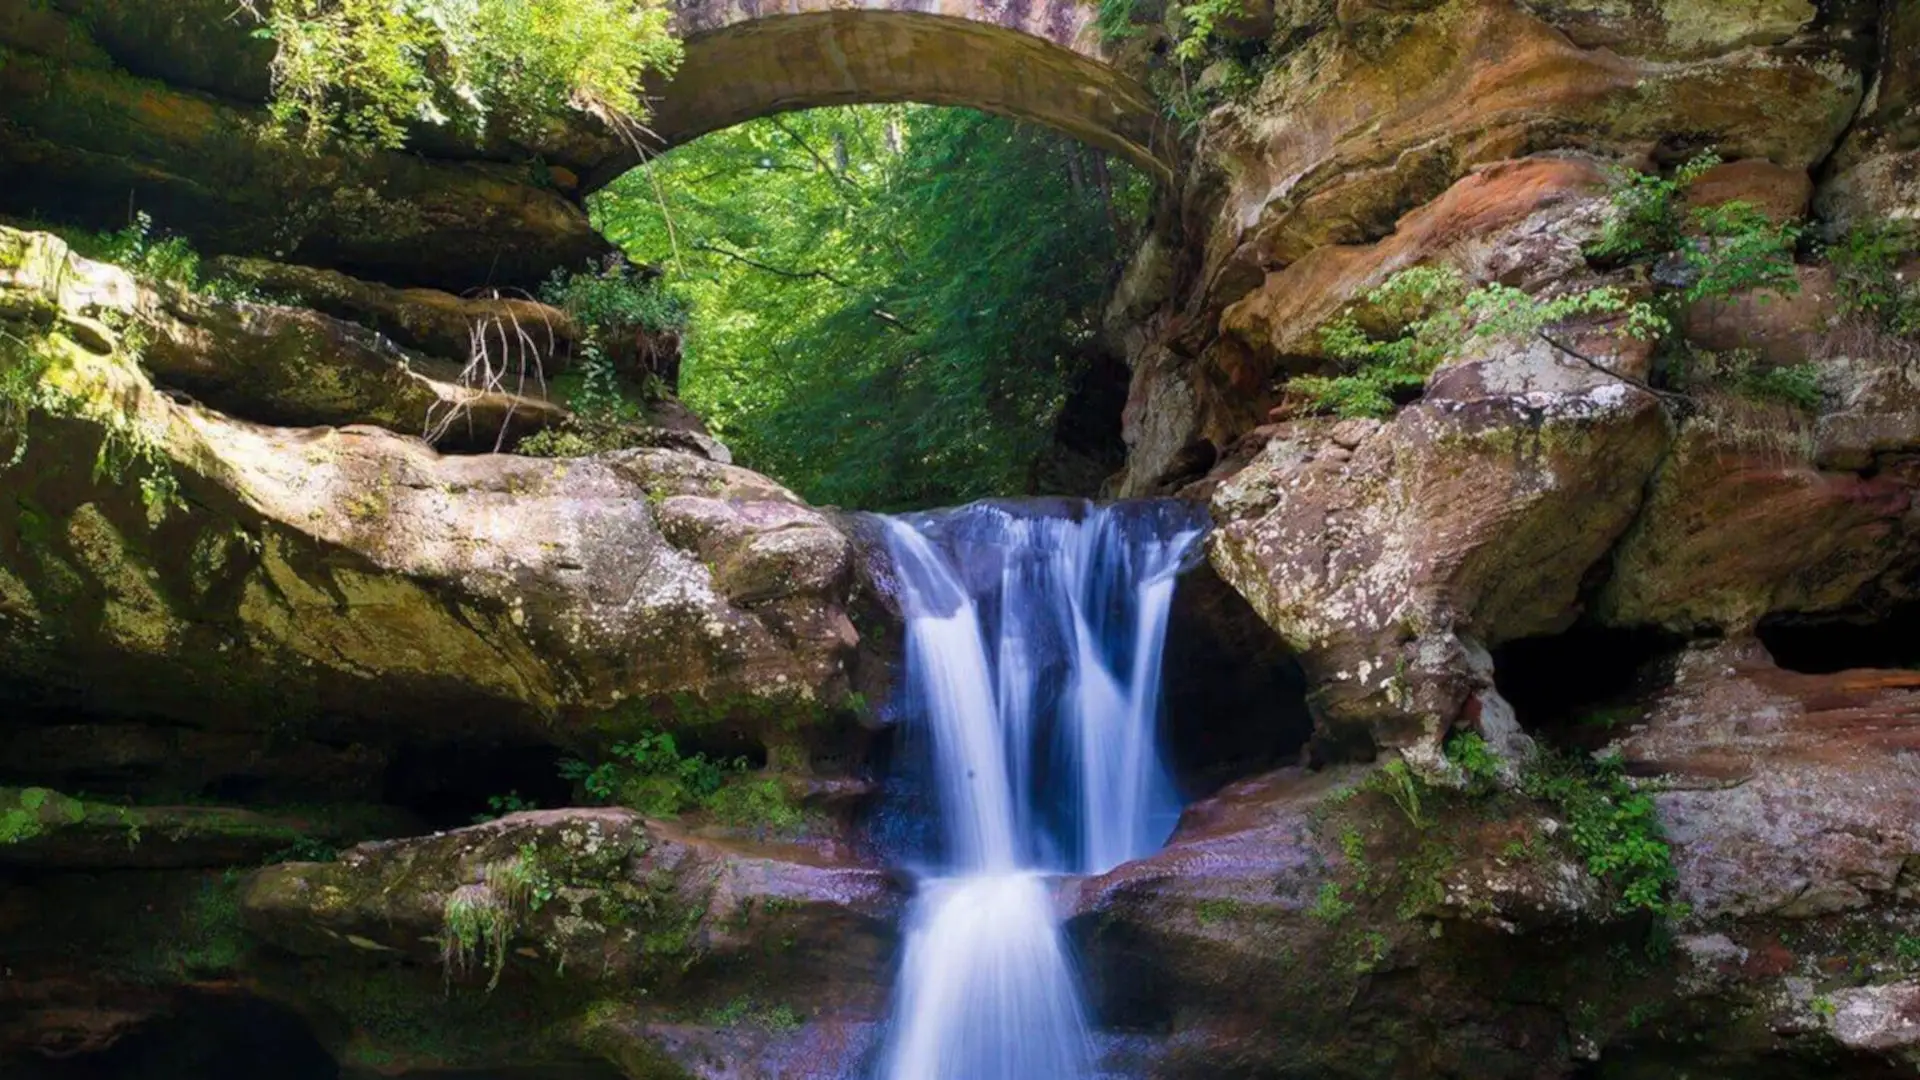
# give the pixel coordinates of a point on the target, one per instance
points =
(159, 105)
(1039, 62)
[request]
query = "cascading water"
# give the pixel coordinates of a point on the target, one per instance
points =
(1033, 669)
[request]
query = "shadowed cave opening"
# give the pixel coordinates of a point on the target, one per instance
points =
(211, 1035)
(446, 784)
(1817, 646)
(1572, 685)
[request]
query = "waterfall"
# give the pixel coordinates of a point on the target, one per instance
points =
(1034, 642)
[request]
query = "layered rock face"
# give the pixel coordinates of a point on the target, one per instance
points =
(1536, 483)
(198, 607)
(1539, 521)
(1318, 923)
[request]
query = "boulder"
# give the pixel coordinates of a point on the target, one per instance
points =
(1740, 523)
(1786, 795)
(356, 577)
(1383, 551)
(628, 939)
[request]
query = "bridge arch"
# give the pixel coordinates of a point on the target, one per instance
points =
(1035, 60)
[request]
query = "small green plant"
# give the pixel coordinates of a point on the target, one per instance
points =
(499, 806)
(651, 774)
(1198, 22)
(616, 299)
(1868, 282)
(1615, 828)
(140, 250)
(1331, 906)
(777, 1019)
(1739, 250)
(1370, 951)
(1648, 217)
(760, 803)
(479, 920)
(1396, 780)
(1741, 373)
(1469, 752)
(1423, 321)
(617, 308)
(1906, 950)
(1115, 20)
(1824, 1007)
(1424, 315)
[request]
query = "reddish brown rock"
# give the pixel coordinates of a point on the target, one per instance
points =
(1785, 794)
(1783, 328)
(1740, 524)
(1518, 211)
(1782, 194)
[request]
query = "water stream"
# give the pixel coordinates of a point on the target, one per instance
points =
(1034, 638)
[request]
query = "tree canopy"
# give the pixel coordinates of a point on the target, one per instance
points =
(890, 304)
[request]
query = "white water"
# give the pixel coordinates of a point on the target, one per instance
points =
(1033, 667)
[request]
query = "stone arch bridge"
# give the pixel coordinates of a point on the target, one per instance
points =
(1036, 60)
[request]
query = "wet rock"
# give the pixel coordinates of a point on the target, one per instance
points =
(674, 948)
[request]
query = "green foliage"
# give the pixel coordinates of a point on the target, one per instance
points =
(138, 249)
(651, 775)
(619, 306)
(1906, 950)
(1614, 827)
(616, 301)
(758, 803)
(1741, 373)
(1423, 320)
(1648, 214)
(1868, 282)
(499, 806)
(366, 70)
(1387, 345)
(742, 1010)
(1396, 780)
(1198, 20)
(22, 822)
(475, 926)
(1476, 760)
(1424, 315)
(1115, 19)
(1329, 906)
(890, 303)
(1740, 250)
